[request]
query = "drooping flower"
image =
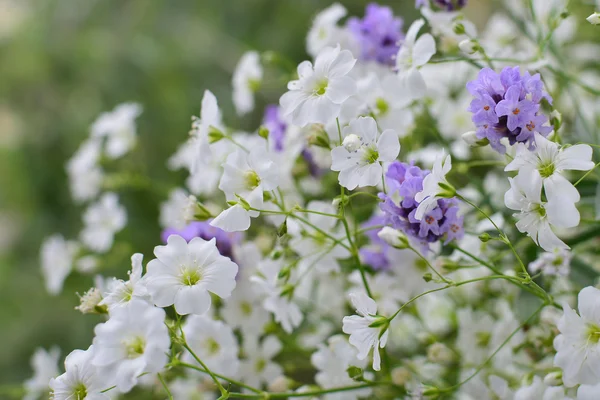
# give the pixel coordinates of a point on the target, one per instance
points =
(548, 160)
(318, 94)
(118, 126)
(183, 274)
(56, 257)
(210, 116)
(435, 187)
(135, 340)
(578, 345)
(363, 150)
(367, 330)
(246, 175)
(413, 54)
(379, 34)
(537, 217)
(102, 220)
(247, 79)
(81, 379)
(45, 367)
(507, 105)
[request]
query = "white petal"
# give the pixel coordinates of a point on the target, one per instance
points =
(578, 157)
(388, 146)
(363, 304)
(340, 89)
(192, 300)
(562, 212)
(424, 49)
(234, 219)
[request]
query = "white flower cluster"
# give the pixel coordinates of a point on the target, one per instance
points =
(310, 257)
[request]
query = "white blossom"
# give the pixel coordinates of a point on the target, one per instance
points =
(81, 379)
(56, 258)
(118, 126)
(434, 186)
(247, 78)
(45, 367)
(413, 54)
(101, 221)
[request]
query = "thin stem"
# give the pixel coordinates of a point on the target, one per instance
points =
(232, 381)
(586, 174)
(160, 378)
(429, 265)
(212, 375)
(302, 394)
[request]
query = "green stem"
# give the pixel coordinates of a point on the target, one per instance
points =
(162, 381)
(266, 395)
(232, 381)
(586, 174)
(429, 265)
(208, 371)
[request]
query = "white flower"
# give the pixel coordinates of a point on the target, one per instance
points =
(179, 210)
(247, 78)
(183, 274)
(578, 345)
(557, 262)
(332, 362)
(324, 30)
(548, 161)
(85, 176)
(45, 367)
(243, 309)
(210, 115)
(56, 257)
(536, 217)
(213, 342)
(594, 18)
(102, 220)
(367, 330)
(286, 312)
(120, 293)
(434, 186)
(258, 367)
(81, 379)
(318, 94)
(135, 340)
(193, 387)
(118, 126)
(414, 53)
(246, 175)
(468, 46)
(362, 167)
(393, 237)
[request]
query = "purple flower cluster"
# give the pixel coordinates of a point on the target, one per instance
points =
(448, 5)
(404, 182)
(507, 105)
(379, 34)
(225, 240)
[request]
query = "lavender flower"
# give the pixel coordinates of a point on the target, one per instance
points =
(507, 105)
(378, 34)
(399, 206)
(448, 5)
(225, 240)
(376, 253)
(276, 126)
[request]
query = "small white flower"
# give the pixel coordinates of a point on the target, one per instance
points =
(536, 217)
(594, 18)
(135, 340)
(243, 309)
(195, 386)
(213, 342)
(433, 186)
(548, 161)
(118, 126)
(210, 115)
(578, 345)
(393, 237)
(367, 330)
(246, 175)
(85, 175)
(247, 78)
(468, 46)
(324, 30)
(81, 379)
(258, 367)
(45, 367)
(362, 166)
(120, 293)
(89, 303)
(413, 54)
(318, 94)
(557, 262)
(332, 362)
(102, 220)
(56, 256)
(179, 210)
(183, 274)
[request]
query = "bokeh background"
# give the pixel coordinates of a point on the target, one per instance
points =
(62, 63)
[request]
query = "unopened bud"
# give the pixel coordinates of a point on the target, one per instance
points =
(594, 19)
(352, 142)
(279, 384)
(355, 373)
(263, 132)
(447, 190)
(485, 237)
(401, 376)
(469, 46)
(459, 28)
(554, 378)
(393, 237)
(556, 120)
(472, 140)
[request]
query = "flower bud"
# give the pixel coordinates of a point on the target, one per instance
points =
(279, 384)
(594, 19)
(214, 134)
(554, 378)
(485, 237)
(263, 132)
(400, 376)
(352, 142)
(439, 353)
(459, 28)
(393, 237)
(355, 373)
(555, 119)
(472, 140)
(469, 46)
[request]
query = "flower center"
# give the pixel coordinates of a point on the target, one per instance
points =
(246, 308)
(190, 276)
(79, 391)
(382, 106)
(546, 170)
(593, 333)
(429, 219)
(483, 338)
(260, 365)
(486, 108)
(252, 180)
(212, 346)
(253, 84)
(321, 87)
(540, 210)
(530, 126)
(135, 347)
(516, 111)
(371, 155)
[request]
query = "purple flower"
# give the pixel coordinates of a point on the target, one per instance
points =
(376, 253)
(507, 105)
(225, 240)
(378, 33)
(448, 5)
(404, 182)
(273, 122)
